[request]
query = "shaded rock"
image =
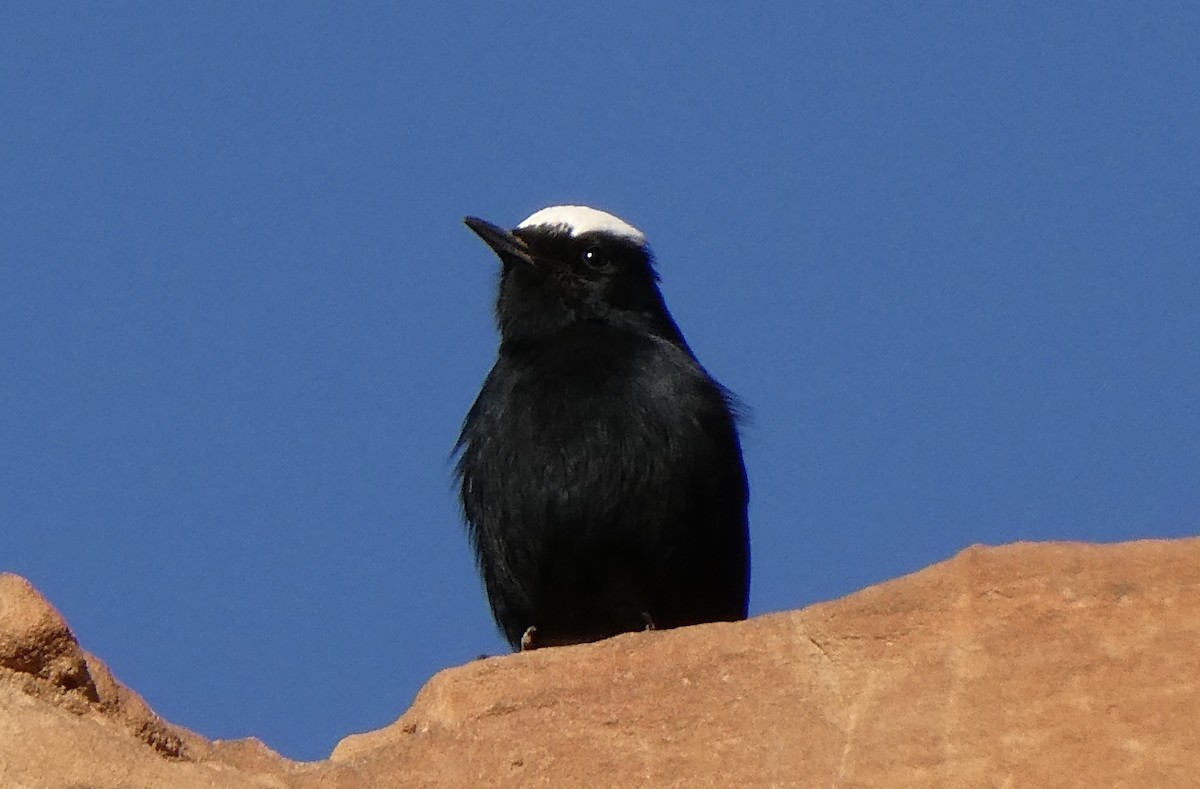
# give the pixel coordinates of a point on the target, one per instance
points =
(1027, 665)
(36, 642)
(66, 721)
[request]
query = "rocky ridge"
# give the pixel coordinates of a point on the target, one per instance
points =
(1035, 665)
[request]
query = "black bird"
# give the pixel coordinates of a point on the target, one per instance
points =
(600, 469)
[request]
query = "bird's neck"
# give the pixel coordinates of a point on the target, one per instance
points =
(575, 338)
(615, 329)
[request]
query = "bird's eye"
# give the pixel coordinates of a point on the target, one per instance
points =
(595, 257)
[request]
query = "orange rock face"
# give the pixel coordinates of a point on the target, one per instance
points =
(1031, 665)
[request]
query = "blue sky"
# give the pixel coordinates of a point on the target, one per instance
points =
(947, 255)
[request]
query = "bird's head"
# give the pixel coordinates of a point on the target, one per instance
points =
(570, 264)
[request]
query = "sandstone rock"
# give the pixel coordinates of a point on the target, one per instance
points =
(36, 642)
(1034, 665)
(66, 721)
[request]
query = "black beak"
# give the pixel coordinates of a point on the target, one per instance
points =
(503, 243)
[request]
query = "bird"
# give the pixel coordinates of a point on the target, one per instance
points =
(600, 468)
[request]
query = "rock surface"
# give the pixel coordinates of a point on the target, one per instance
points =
(1031, 665)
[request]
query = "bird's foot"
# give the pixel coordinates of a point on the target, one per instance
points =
(527, 638)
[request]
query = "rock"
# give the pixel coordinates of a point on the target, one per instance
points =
(66, 721)
(35, 642)
(1027, 665)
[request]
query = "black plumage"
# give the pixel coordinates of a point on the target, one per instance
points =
(600, 469)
